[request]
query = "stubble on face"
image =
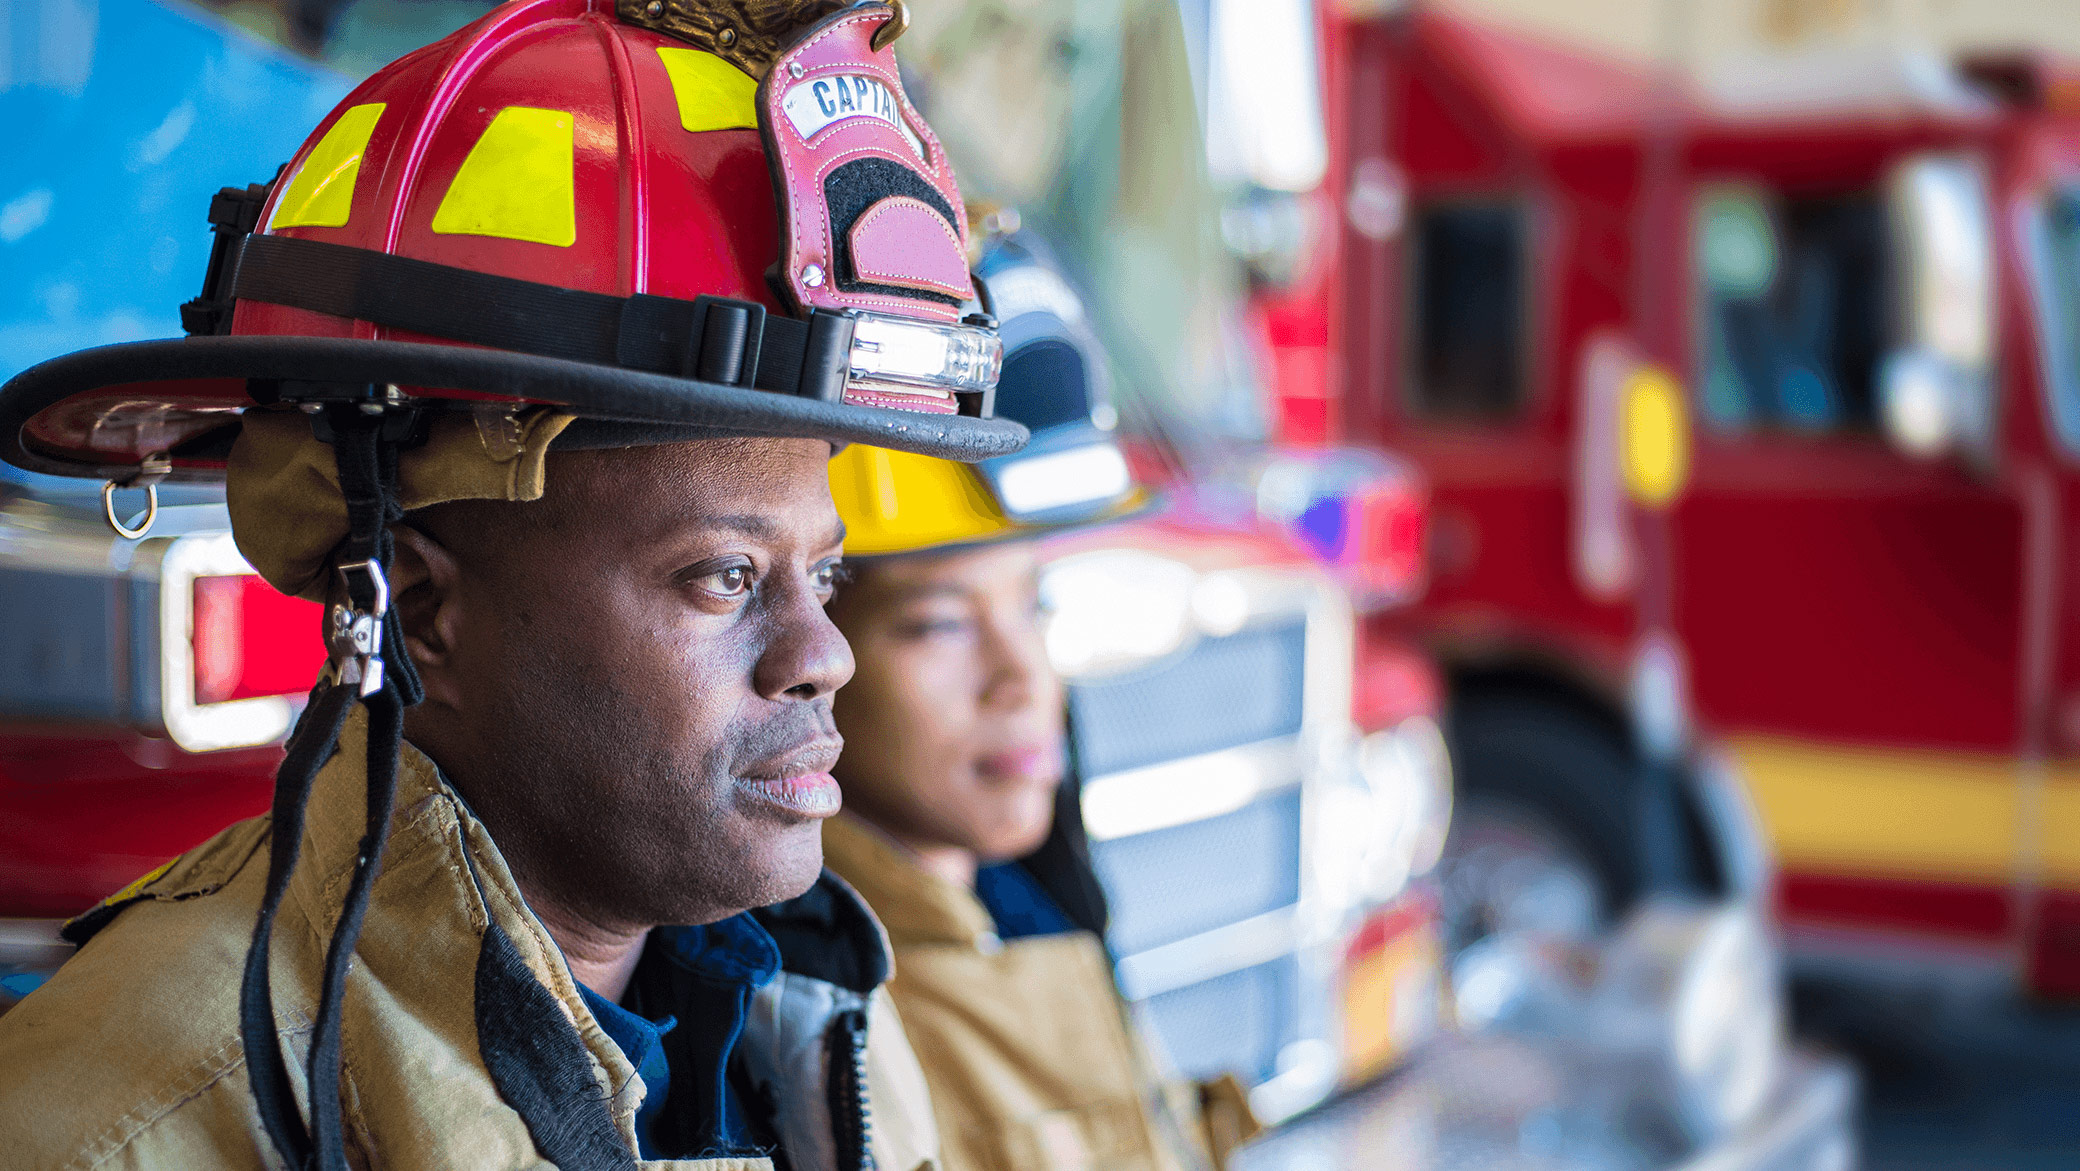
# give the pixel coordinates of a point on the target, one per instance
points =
(626, 699)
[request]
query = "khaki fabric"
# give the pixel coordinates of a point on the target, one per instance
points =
(129, 1057)
(282, 485)
(1026, 1045)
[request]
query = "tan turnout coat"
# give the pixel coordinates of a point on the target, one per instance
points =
(130, 1055)
(1026, 1044)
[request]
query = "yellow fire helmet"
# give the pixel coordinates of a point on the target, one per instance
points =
(1055, 382)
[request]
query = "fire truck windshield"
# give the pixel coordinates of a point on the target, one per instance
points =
(2055, 258)
(1792, 303)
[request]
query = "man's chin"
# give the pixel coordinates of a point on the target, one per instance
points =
(765, 866)
(792, 861)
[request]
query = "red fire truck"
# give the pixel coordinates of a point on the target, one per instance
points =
(1753, 412)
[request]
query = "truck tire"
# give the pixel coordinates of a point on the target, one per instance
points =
(1545, 826)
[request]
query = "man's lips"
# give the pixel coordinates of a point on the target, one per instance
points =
(798, 782)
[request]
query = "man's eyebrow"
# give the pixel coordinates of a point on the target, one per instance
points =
(763, 527)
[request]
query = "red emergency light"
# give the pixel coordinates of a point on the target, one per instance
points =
(1365, 516)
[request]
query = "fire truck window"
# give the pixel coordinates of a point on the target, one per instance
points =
(1469, 311)
(1794, 305)
(2057, 264)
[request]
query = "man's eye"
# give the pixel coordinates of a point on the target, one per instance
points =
(731, 580)
(830, 577)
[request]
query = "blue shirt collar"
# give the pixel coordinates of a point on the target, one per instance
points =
(736, 953)
(1018, 904)
(736, 950)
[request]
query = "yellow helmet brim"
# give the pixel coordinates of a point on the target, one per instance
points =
(894, 502)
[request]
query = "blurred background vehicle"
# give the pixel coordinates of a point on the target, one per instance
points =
(1848, 576)
(144, 687)
(1831, 607)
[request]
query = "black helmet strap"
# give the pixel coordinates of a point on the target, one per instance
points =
(368, 664)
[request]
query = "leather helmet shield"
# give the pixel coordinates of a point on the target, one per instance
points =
(870, 214)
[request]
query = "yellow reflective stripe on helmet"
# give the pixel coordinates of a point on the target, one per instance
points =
(322, 193)
(713, 94)
(894, 502)
(517, 181)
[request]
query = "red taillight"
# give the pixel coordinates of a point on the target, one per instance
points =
(250, 640)
(1390, 554)
(219, 642)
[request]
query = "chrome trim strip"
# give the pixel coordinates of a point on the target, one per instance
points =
(33, 943)
(1194, 788)
(1231, 948)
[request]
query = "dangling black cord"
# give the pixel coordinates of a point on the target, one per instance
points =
(368, 479)
(316, 736)
(385, 735)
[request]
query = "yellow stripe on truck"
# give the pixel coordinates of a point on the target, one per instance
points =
(2060, 834)
(1891, 812)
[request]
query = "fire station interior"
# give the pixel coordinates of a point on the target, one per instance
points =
(1589, 675)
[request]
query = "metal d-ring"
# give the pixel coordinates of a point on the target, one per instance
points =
(147, 477)
(895, 26)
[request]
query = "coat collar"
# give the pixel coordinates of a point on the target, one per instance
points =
(915, 905)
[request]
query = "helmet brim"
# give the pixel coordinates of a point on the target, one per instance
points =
(101, 412)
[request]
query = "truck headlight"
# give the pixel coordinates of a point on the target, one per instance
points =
(1700, 984)
(1407, 775)
(1111, 610)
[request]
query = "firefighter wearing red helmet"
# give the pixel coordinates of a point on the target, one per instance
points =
(529, 366)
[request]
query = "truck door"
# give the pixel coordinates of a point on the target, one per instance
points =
(2049, 237)
(1851, 559)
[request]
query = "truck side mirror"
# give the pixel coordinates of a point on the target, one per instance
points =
(1936, 391)
(1917, 403)
(1932, 406)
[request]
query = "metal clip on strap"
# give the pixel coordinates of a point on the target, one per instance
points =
(154, 469)
(354, 631)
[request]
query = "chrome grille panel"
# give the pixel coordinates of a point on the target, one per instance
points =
(1221, 693)
(1253, 1008)
(1176, 883)
(1202, 768)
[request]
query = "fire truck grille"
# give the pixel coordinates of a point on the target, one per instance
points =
(1176, 883)
(1235, 1023)
(1222, 693)
(1217, 999)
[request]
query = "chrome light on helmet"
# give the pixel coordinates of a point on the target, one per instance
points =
(1087, 473)
(921, 359)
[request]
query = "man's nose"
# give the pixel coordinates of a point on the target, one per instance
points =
(805, 656)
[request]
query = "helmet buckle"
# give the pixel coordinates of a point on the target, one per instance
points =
(354, 630)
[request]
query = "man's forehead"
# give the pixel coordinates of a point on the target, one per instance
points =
(769, 490)
(770, 529)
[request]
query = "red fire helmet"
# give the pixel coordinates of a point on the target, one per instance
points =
(717, 216)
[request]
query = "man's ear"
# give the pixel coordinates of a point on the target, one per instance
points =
(424, 584)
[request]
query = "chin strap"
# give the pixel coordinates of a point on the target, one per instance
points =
(369, 665)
